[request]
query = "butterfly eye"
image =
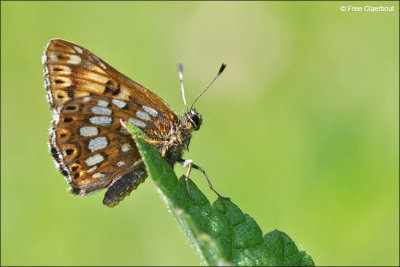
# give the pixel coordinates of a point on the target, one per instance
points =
(195, 119)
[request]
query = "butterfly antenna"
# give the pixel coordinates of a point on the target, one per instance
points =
(180, 69)
(221, 69)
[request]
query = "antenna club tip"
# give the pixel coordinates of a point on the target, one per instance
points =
(223, 66)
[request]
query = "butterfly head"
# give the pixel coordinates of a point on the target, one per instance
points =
(194, 118)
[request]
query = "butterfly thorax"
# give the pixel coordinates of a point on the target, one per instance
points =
(178, 140)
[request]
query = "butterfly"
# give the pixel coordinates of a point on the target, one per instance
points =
(88, 99)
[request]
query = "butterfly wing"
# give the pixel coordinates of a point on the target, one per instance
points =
(90, 145)
(72, 71)
(88, 98)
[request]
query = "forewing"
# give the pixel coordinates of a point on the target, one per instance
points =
(72, 72)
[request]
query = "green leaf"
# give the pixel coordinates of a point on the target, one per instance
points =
(221, 232)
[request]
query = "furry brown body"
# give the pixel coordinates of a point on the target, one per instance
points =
(178, 139)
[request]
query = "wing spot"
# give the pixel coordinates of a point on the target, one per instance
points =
(126, 147)
(74, 59)
(93, 160)
(136, 122)
(111, 91)
(70, 107)
(78, 50)
(112, 88)
(143, 115)
(101, 120)
(70, 91)
(68, 119)
(99, 62)
(119, 103)
(103, 103)
(92, 169)
(123, 130)
(88, 131)
(69, 151)
(136, 163)
(151, 111)
(101, 111)
(98, 143)
(61, 81)
(98, 175)
(62, 133)
(59, 68)
(74, 168)
(54, 57)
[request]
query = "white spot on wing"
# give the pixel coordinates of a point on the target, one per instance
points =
(102, 103)
(99, 62)
(151, 111)
(119, 103)
(86, 99)
(78, 50)
(74, 59)
(142, 115)
(101, 110)
(93, 160)
(120, 163)
(98, 175)
(123, 131)
(88, 131)
(126, 147)
(101, 120)
(54, 57)
(97, 143)
(137, 162)
(136, 122)
(92, 169)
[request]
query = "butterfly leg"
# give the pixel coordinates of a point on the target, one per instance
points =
(153, 142)
(188, 163)
(191, 165)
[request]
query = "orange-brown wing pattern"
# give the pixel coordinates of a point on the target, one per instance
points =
(88, 98)
(72, 71)
(91, 146)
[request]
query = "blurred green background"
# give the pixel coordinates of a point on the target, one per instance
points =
(301, 131)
